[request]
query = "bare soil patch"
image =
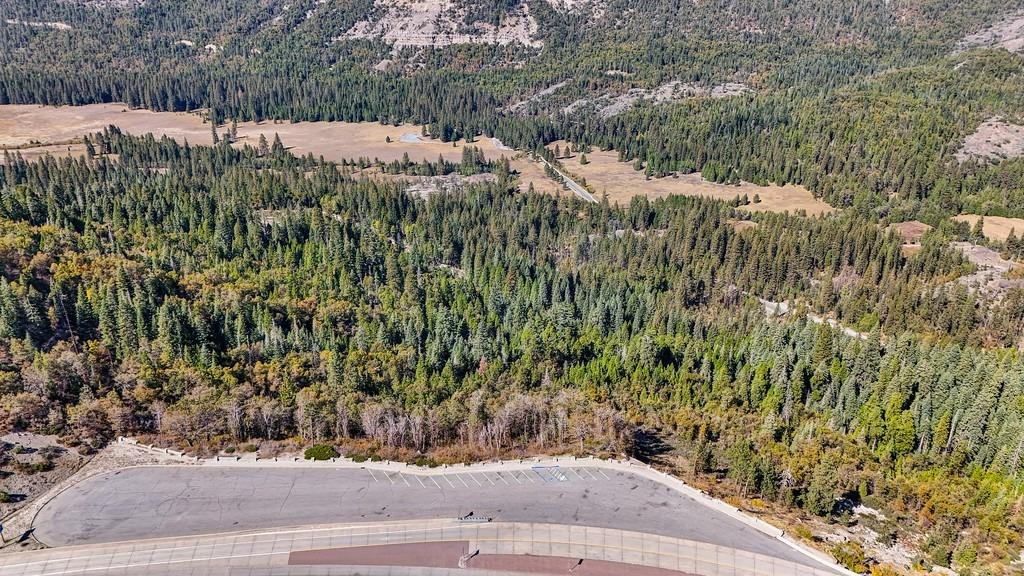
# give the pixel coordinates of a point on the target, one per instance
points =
(995, 227)
(741, 225)
(994, 140)
(606, 175)
(31, 464)
(910, 231)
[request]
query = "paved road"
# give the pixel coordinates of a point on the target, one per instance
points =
(152, 502)
(510, 546)
(570, 183)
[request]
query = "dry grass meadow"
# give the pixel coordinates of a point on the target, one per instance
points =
(995, 227)
(35, 130)
(605, 174)
(38, 130)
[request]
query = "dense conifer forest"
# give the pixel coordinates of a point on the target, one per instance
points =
(213, 296)
(216, 295)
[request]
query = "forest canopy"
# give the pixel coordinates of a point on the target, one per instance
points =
(214, 295)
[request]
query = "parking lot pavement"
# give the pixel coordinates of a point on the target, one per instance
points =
(470, 478)
(149, 502)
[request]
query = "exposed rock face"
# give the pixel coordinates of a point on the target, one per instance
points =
(1007, 33)
(435, 23)
(608, 105)
(994, 140)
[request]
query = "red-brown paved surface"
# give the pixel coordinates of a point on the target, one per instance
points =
(528, 564)
(422, 554)
(447, 554)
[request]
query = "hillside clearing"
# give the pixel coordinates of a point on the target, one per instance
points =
(995, 227)
(606, 175)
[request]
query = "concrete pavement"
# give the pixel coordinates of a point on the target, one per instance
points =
(152, 502)
(268, 551)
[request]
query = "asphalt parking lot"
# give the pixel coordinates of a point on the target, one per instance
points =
(151, 502)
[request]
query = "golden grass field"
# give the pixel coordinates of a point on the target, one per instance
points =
(36, 130)
(23, 125)
(995, 227)
(605, 174)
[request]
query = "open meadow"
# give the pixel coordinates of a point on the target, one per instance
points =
(605, 174)
(35, 131)
(995, 227)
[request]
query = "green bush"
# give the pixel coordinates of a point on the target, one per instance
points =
(425, 461)
(851, 555)
(320, 452)
(965, 556)
(229, 450)
(4, 497)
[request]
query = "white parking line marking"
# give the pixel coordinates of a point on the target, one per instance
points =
(601, 472)
(573, 470)
(513, 474)
(402, 476)
(389, 477)
(587, 470)
(541, 476)
(448, 481)
(527, 476)
(460, 479)
(420, 480)
(372, 476)
(502, 478)
(435, 482)
(474, 479)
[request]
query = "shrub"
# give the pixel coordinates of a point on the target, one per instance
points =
(320, 452)
(426, 461)
(4, 497)
(851, 555)
(250, 448)
(803, 532)
(965, 556)
(229, 450)
(885, 570)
